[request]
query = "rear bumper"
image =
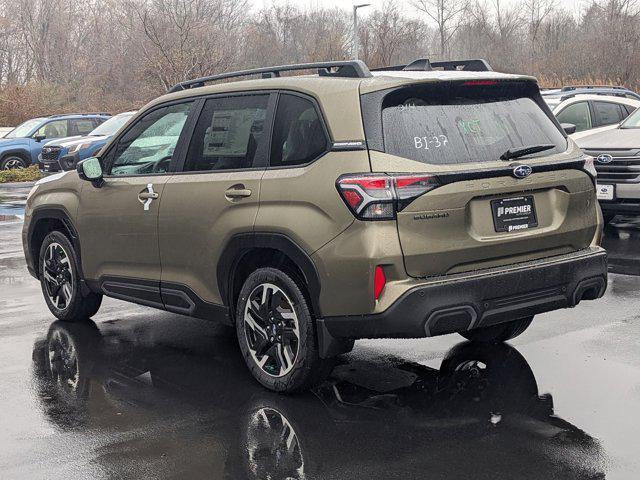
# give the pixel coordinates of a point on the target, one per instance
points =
(461, 302)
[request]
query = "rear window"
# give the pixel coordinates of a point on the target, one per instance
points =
(457, 123)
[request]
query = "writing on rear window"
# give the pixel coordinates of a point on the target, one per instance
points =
(453, 124)
(435, 141)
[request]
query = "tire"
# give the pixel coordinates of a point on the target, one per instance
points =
(498, 333)
(11, 162)
(60, 281)
(277, 337)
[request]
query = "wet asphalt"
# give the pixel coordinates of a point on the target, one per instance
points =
(140, 393)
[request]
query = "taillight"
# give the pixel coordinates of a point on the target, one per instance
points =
(410, 187)
(379, 197)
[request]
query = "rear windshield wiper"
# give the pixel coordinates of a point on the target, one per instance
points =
(522, 151)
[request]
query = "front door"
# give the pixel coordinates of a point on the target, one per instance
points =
(212, 197)
(118, 222)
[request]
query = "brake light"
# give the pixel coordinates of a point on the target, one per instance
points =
(379, 197)
(478, 83)
(379, 281)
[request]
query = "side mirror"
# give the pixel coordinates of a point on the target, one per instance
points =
(90, 170)
(40, 137)
(568, 128)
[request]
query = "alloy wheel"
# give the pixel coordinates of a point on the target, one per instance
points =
(58, 276)
(271, 329)
(13, 163)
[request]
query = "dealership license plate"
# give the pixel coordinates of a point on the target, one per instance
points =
(605, 192)
(513, 214)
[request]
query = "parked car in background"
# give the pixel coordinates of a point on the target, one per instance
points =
(554, 96)
(588, 112)
(22, 145)
(65, 153)
(617, 154)
(4, 131)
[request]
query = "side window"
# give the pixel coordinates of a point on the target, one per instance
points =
(227, 134)
(147, 147)
(298, 136)
(81, 126)
(578, 114)
(607, 113)
(53, 129)
(629, 110)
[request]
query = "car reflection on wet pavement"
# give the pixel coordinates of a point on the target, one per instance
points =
(177, 392)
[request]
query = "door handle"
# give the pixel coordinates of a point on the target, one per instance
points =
(147, 196)
(237, 192)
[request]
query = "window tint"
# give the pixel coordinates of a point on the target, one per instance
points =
(82, 126)
(298, 136)
(578, 114)
(227, 134)
(54, 129)
(148, 145)
(607, 113)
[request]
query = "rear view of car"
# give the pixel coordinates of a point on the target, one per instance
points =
(494, 206)
(314, 210)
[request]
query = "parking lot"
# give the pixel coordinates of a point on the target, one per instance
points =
(141, 393)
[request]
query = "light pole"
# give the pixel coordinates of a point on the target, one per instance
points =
(356, 39)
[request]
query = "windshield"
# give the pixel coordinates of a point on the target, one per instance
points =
(632, 121)
(457, 124)
(112, 125)
(24, 129)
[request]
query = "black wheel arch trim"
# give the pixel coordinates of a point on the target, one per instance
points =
(26, 154)
(58, 213)
(242, 243)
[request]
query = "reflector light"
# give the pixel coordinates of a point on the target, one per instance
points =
(380, 281)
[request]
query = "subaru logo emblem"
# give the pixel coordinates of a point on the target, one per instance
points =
(522, 171)
(604, 158)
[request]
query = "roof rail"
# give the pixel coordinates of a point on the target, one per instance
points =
(424, 64)
(578, 94)
(78, 114)
(342, 68)
(575, 87)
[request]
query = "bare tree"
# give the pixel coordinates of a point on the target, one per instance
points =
(447, 15)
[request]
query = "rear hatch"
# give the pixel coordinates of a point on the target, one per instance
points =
(478, 211)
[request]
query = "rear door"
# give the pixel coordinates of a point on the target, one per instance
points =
(485, 211)
(608, 113)
(213, 196)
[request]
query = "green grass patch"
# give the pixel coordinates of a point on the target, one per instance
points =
(29, 174)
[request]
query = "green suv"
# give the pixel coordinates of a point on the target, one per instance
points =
(312, 210)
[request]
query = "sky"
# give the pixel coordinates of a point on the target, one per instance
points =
(574, 5)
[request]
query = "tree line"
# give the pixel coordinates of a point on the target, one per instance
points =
(114, 55)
